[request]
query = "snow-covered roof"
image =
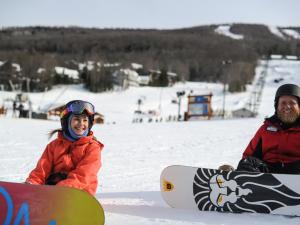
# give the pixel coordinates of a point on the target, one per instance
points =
(111, 64)
(17, 67)
(41, 70)
(131, 73)
(65, 71)
(276, 56)
(136, 66)
(89, 65)
(172, 74)
(292, 57)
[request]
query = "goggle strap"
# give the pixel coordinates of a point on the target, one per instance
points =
(64, 112)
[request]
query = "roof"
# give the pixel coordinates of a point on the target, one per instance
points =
(65, 71)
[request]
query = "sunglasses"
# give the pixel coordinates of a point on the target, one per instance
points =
(78, 107)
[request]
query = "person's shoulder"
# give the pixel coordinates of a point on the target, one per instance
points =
(273, 120)
(95, 141)
(92, 141)
(271, 124)
(60, 139)
(54, 142)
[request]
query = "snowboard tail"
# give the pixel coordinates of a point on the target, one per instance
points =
(230, 191)
(50, 205)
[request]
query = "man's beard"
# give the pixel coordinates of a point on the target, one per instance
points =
(288, 118)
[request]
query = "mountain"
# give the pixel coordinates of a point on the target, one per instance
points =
(196, 53)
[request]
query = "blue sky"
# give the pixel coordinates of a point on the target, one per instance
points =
(159, 14)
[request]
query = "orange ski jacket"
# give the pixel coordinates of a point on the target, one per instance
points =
(79, 160)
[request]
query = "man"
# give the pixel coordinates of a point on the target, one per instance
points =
(275, 148)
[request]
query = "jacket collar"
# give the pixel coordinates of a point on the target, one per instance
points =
(275, 121)
(80, 141)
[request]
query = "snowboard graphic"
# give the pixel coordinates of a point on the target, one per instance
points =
(47, 205)
(234, 191)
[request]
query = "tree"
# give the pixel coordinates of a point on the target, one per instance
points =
(99, 79)
(163, 78)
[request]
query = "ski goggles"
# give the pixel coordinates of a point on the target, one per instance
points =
(78, 107)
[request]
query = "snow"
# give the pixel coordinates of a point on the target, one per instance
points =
(276, 31)
(17, 67)
(136, 153)
(292, 33)
(41, 70)
(225, 30)
(89, 65)
(65, 71)
(136, 66)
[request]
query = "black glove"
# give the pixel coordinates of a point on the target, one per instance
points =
(253, 164)
(54, 178)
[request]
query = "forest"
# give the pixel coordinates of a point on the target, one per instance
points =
(195, 54)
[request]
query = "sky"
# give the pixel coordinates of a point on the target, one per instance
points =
(157, 14)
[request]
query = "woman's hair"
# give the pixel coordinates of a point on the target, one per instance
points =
(52, 132)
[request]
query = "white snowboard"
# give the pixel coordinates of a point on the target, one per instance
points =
(214, 190)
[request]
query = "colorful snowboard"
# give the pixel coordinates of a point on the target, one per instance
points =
(47, 205)
(215, 190)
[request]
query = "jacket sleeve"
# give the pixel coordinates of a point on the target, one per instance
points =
(254, 148)
(84, 176)
(43, 168)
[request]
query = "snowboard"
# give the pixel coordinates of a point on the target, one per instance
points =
(230, 191)
(26, 204)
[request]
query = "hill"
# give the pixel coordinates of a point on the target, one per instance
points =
(196, 54)
(119, 106)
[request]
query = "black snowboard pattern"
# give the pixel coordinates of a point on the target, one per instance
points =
(234, 191)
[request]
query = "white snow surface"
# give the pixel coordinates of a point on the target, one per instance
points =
(292, 33)
(225, 30)
(276, 31)
(135, 154)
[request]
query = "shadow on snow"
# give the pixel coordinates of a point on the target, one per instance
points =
(149, 204)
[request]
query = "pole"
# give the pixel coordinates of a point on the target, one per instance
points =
(179, 95)
(224, 63)
(224, 97)
(179, 103)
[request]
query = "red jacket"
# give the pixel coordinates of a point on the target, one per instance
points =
(275, 144)
(80, 160)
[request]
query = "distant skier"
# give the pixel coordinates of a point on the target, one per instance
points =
(73, 159)
(21, 112)
(14, 108)
(275, 148)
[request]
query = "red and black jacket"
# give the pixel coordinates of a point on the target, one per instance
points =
(276, 143)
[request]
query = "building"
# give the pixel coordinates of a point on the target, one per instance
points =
(243, 112)
(126, 78)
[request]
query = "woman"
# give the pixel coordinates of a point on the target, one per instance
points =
(73, 159)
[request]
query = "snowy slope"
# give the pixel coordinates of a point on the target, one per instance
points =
(135, 154)
(225, 30)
